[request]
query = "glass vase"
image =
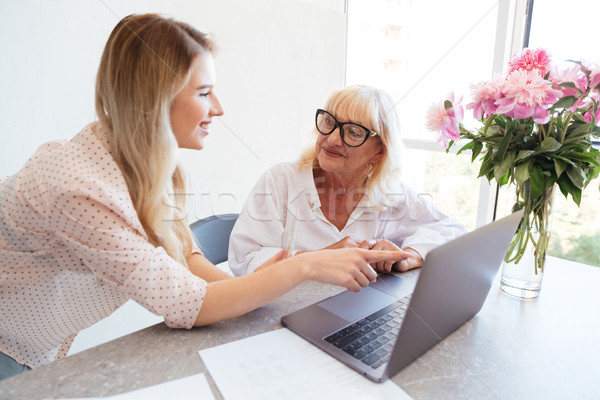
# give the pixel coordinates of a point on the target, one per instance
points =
(523, 267)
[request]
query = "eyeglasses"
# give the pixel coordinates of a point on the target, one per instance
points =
(352, 134)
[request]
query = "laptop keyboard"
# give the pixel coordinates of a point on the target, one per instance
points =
(371, 339)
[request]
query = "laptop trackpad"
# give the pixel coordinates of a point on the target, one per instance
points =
(352, 306)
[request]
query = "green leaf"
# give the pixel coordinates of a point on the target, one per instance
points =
(590, 157)
(567, 187)
(594, 174)
(505, 165)
(486, 169)
(577, 137)
(467, 146)
(577, 176)
(477, 147)
(582, 130)
(559, 167)
(565, 102)
(563, 187)
(536, 180)
(499, 156)
(447, 104)
(487, 165)
(522, 172)
(465, 132)
(570, 85)
(523, 154)
(570, 162)
(549, 145)
(494, 131)
(576, 196)
(504, 179)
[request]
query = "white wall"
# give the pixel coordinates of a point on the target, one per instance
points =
(277, 63)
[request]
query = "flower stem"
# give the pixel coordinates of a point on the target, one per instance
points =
(566, 123)
(533, 229)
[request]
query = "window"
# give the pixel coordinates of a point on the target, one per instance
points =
(421, 50)
(414, 51)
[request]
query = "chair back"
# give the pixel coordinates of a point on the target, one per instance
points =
(212, 235)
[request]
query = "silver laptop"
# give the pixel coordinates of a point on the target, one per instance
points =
(389, 324)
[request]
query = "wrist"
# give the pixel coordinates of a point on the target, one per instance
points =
(303, 265)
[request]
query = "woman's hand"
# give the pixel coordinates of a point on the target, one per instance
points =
(382, 244)
(413, 259)
(346, 267)
(343, 267)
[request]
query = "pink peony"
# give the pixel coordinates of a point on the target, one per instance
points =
(573, 75)
(595, 77)
(445, 121)
(570, 75)
(527, 94)
(589, 115)
(485, 95)
(530, 60)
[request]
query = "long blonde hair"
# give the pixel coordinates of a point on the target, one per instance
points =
(374, 109)
(146, 62)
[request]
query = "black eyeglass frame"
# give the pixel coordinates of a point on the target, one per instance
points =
(340, 125)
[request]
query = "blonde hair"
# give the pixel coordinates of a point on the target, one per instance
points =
(374, 109)
(146, 62)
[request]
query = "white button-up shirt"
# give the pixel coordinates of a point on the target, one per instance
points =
(285, 200)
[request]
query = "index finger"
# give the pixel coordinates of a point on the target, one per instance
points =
(383, 255)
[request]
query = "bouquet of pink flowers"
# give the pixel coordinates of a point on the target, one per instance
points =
(538, 123)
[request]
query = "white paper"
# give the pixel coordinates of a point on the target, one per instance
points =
(281, 365)
(192, 387)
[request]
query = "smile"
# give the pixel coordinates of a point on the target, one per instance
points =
(332, 153)
(204, 126)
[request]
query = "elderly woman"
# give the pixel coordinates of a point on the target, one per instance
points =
(343, 193)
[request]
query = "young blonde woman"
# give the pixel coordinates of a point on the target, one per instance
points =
(343, 193)
(89, 223)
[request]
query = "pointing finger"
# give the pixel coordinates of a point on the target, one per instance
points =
(382, 255)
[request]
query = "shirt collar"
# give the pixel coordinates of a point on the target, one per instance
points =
(308, 182)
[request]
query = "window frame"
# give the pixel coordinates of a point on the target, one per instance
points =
(512, 34)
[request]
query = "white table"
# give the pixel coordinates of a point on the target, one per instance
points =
(546, 348)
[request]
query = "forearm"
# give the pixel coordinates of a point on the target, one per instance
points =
(251, 261)
(344, 267)
(234, 297)
(206, 270)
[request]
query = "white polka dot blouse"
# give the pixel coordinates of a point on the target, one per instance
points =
(72, 250)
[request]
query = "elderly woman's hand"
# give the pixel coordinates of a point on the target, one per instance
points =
(415, 260)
